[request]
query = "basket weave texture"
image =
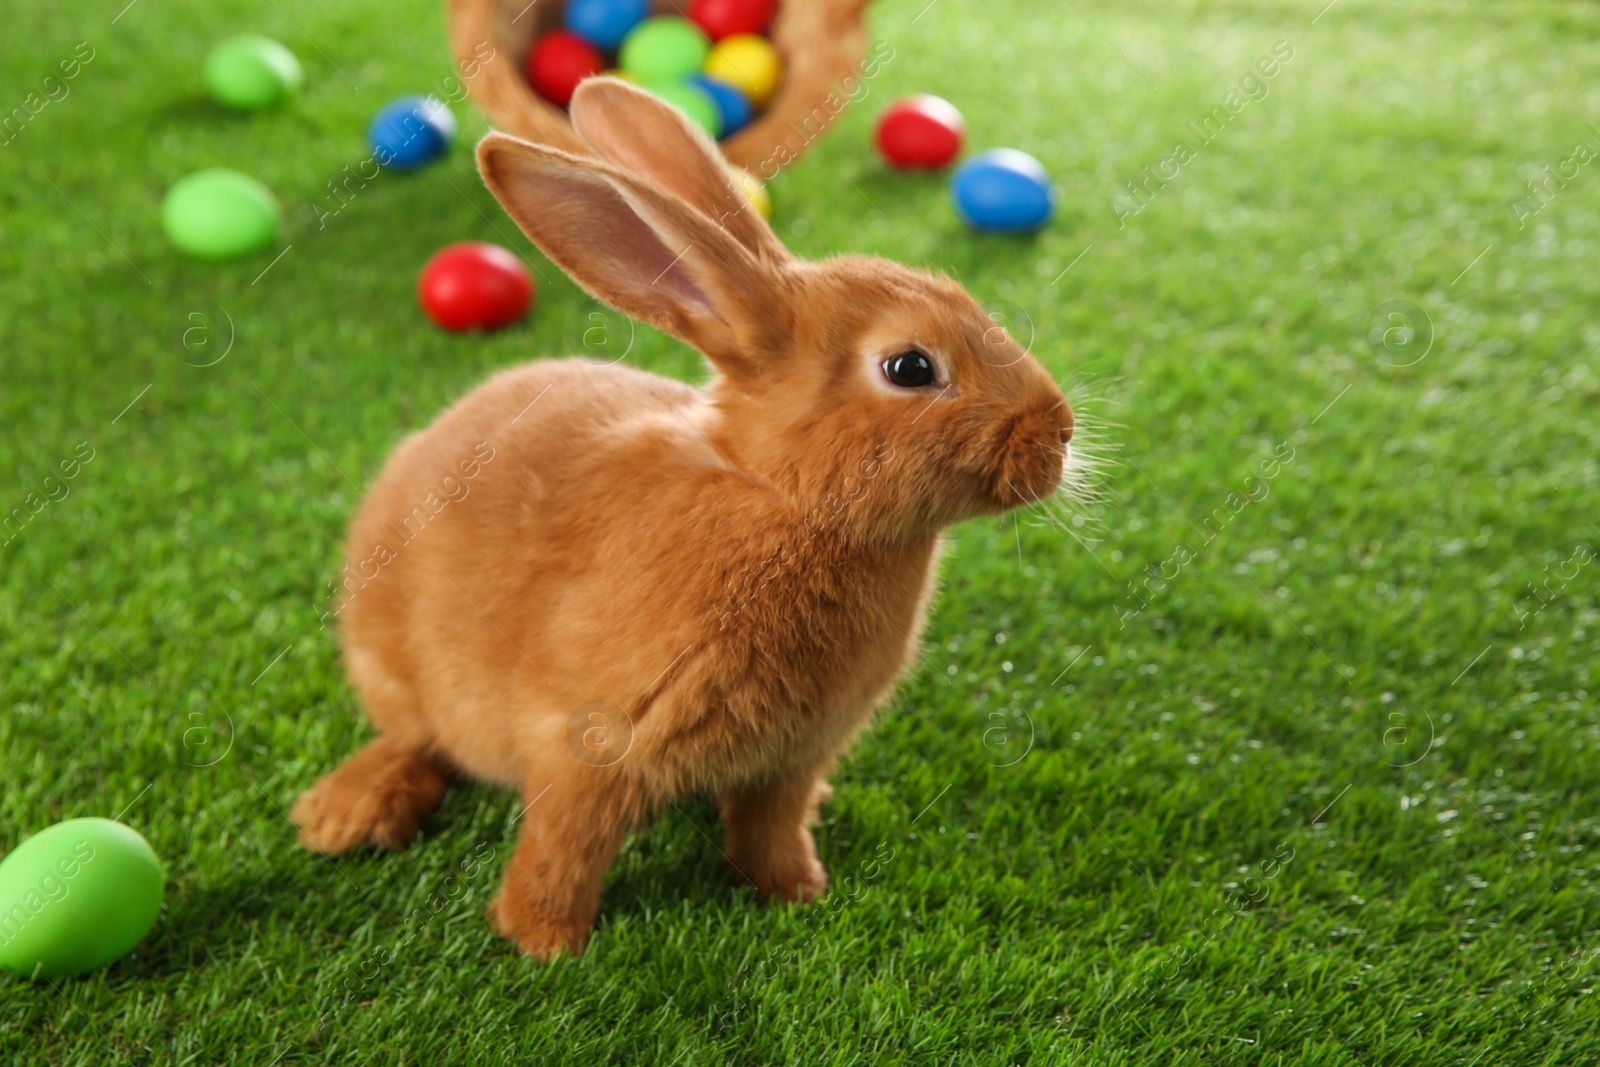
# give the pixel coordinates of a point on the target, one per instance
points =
(820, 42)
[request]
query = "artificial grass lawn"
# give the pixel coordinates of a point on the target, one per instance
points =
(1341, 683)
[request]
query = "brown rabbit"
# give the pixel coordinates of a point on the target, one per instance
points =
(631, 590)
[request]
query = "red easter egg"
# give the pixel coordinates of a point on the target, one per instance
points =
(724, 18)
(921, 132)
(558, 61)
(474, 285)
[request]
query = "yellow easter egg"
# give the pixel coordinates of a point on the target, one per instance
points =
(753, 190)
(748, 63)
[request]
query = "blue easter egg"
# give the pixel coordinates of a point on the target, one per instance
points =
(410, 132)
(604, 23)
(734, 107)
(1003, 191)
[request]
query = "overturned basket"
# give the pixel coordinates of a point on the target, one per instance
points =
(822, 44)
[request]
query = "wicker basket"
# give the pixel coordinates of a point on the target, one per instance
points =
(821, 43)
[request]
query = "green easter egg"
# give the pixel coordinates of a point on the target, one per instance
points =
(76, 896)
(250, 73)
(215, 214)
(664, 47)
(700, 108)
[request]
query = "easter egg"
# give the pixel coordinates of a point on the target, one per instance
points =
(76, 896)
(473, 285)
(217, 214)
(250, 73)
(604, 23)
(1003, 191)
(920, 132)
(725, 18)
(748, 63)
(692, 101)
(753, 190)
(558, 61)
(411, 131)
(664, 47)
(733, 107)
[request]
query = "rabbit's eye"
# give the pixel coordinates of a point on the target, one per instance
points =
(909, 370)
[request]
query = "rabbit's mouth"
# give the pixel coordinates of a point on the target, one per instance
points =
(1033, 458)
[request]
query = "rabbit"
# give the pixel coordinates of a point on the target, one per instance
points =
(634, 591)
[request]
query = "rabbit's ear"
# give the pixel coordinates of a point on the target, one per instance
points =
(644, 135)
(642, 251)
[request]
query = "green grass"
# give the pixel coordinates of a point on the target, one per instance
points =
(1071, 793)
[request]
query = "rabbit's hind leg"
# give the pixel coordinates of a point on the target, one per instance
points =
(377, 797)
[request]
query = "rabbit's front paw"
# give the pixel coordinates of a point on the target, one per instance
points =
(536, 934)
(796, 879)
(802, 886)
